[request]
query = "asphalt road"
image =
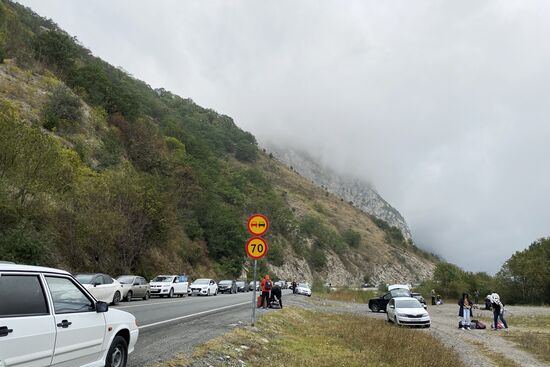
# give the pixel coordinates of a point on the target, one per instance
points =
(172, 326)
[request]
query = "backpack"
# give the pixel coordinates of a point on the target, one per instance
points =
(268, 285)
(478, 324)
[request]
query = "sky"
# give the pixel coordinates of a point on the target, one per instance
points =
(442, 105)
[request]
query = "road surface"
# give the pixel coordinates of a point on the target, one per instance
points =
(169, 327)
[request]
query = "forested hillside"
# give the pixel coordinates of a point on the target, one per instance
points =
(99, 171)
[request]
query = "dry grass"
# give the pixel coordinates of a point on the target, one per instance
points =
(297, 337)
(536, 343)
(498, 358)
(346, 295)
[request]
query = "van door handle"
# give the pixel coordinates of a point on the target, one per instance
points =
(64, 324)
(4, 331)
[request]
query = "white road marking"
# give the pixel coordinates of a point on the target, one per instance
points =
(194, 314)
(145, 303)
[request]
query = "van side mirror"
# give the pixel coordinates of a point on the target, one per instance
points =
(101, 307)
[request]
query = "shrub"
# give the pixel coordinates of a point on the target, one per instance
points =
(62, 110)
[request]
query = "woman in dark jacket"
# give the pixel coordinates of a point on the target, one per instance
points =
(465, 311)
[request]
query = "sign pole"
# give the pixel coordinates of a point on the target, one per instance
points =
(254, 304)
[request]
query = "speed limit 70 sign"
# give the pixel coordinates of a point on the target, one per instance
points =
(256, 248)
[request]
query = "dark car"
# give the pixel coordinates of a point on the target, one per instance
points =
(379, 304)
(419, 297)
(227, 286)
(242, 286)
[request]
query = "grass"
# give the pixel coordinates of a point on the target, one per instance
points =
(298, 337)
(530, 333)
(345, 295)
(498, 358)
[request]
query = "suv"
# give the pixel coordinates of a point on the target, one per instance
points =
(48, 318)
(169, 285)
(380, 303)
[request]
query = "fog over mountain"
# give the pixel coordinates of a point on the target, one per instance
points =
(443, 106)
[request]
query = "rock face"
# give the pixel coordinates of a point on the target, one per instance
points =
(360, 193)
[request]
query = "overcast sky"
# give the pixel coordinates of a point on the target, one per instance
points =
(442, 105)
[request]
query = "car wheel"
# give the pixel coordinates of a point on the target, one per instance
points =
(129, 296)
(146, 296)
(118, 353)
(171, 294)
(116, 298)
(395, 320)
(375, 308)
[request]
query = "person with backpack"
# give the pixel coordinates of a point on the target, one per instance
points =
(267, 285)
(465, 311)
(276, 293)
(498, 311)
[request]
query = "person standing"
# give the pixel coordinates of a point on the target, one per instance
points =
(294, 284)
(476, 296)
(498, 311)
(267, 285)
(465, 311)
(433, 297)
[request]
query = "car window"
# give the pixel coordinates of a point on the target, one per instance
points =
(126, 279)
(142, 281)
(98, 280)
(409, 303)
(183, 279)
(107, 279)
(67, 297)
(22, 295)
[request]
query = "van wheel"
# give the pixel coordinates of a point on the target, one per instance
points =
(146, 296)
(129, 296)
(116, 298)
(118, 353)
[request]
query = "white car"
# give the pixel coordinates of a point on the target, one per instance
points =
(47, 318)
(203, 287)
(407, 311)
(102, 287)
(169, 285)
(303, 288)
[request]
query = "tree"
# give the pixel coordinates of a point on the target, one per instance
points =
(62, 110)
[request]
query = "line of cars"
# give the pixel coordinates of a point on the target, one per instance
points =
(128, 287)
(402, 306)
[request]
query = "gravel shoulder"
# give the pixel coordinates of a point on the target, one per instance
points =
(475, 347)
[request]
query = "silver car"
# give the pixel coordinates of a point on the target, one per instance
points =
(134, 286)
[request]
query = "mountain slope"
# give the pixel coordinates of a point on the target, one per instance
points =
(101, 172)
(354, 190)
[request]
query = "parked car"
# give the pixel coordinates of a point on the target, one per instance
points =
(134, 286)
(303, 288)
(380, 303)
(242, 286)
(169, 286)
(101, 286)
(204, 287)
(258, 286)
(407, 311)
(48, 318)
(420, 299)
(227, 286)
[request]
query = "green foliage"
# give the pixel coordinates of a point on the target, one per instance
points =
(393, 234)
(352, 238)
(311, 226)
(56, 49)
(24, 243)
(317, 258)
(525, 277)
(62, 110)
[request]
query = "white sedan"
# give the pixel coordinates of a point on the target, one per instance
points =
(47, 318)
(407, 311)
(303, 288)
(203, 287)
(102, 287)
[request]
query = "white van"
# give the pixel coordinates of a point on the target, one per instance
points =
(47, 318)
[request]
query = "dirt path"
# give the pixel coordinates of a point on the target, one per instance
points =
(475, 347)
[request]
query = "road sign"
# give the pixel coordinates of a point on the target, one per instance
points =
(256, 248)
(257, 224)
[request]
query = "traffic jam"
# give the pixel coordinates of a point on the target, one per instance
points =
(50, 317)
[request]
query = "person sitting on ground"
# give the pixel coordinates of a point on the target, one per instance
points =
(267, 285)
(498, 311)
(465, 311)
(276, 294)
